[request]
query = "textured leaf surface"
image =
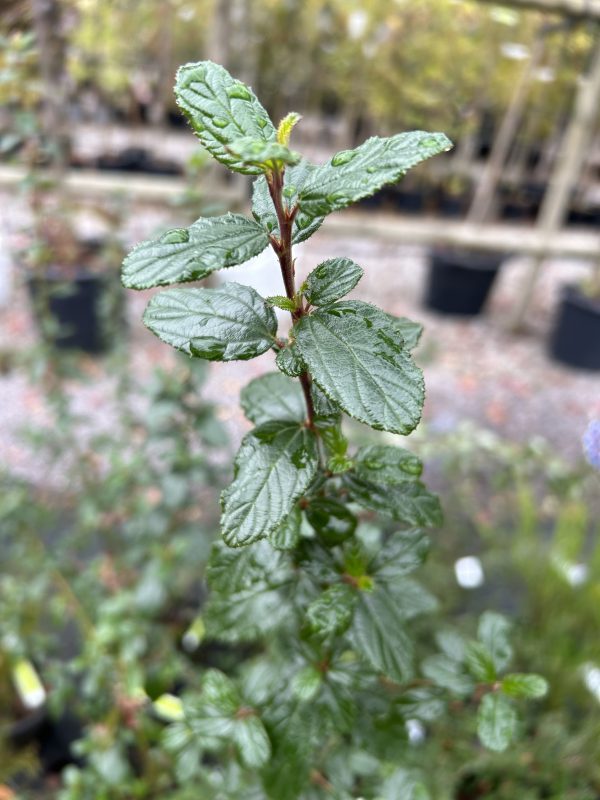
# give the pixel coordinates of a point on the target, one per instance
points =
(387, 465)
(493, 632)
(263, 154)
(496, 722)
(286, 126)
(188, 254)
(224, 324)
(408, 502)
(221, 110)
(353, 354)
(401, 785)
(215, 718)
(409, 330)
(263, 210)
(274, 466)
(295, 730)
(529, 686)
(288, 360)
(404, 552)
(332, 520)
(479, 663)
(252, 741)
(354, 174)
(306, 683)
(273, 397)
(245, 600)
(287, 535)
(378, 633)
(447, 673)
(331, 612)
(331, 280)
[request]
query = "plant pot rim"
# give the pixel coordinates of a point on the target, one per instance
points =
(78, 270)
(56, 274)
(572, 293)
(468, 258)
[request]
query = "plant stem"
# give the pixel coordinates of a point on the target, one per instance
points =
(283, 249)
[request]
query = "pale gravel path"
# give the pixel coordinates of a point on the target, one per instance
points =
(473, 369)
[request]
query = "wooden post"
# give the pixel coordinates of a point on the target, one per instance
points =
(564, 178)
(488, 182)
(163, 92)
(577, 9)
(48, 24)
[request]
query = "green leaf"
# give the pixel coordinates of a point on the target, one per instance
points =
(409, 330)
(285, 127)
(496, 722)
(409, 502)
(331, 520)
(288, 360)
(354, 174)
(306, 683)
(403, 553)
(529, 686)
(401, 785)
(221, 110)
(479, 662)
(331, 612)
(274, 466)
(287, 535)
(331, 280)
(189, 254)
(224, 324)
(423, 703)
(220, 715)
(263, 210)
(493, 632)
(219, 692)
(245, 601)
(452, 644)
(273, 397)
(378, 634)
(448, 674)
(294, 729)
(327, 413)
(412, 599)
(387, 465)
(282, 302)
(252, 741)
(264, 155)
(352, 351)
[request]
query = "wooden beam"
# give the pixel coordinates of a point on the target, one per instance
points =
(510, 239)
(576, 9)
(430, 231)
(143, 188)
(573, 151)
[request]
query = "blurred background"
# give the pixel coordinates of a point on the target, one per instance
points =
(113, 450)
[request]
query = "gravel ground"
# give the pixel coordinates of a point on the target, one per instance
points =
(474, 369)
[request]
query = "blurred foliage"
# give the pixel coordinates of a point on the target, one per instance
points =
(101, 584)
(349, 58)
(88, 589)
(532, 521)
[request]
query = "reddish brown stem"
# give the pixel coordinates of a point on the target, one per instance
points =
(283, 249)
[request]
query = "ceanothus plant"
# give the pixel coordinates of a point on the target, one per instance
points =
(302, 570)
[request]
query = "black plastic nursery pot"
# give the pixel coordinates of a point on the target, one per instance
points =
(82, 312)
(575, 338)
(459, 282)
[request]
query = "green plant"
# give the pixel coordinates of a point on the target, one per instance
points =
(101, 576)
(531, 519)
(301, 568)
